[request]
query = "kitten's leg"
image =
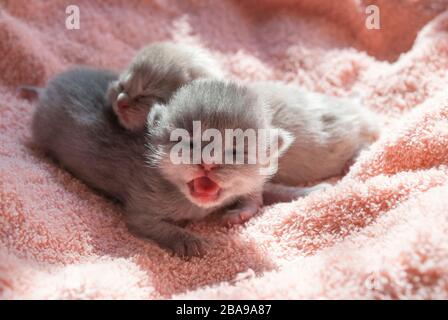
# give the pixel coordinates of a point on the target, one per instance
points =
(243, 210)
(275, 193)
(167, 235)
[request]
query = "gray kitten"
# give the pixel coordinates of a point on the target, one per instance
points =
(329, 132)
(74, 123)
(220, 106)
(155, 73)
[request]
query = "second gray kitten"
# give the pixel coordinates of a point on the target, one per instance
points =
(153, 76)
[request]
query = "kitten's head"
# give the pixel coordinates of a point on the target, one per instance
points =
(152, 77)
(194, 142)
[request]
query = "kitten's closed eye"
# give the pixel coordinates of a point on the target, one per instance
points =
(140, 98)
(148, 99)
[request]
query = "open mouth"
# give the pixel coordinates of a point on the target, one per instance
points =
(204, 189)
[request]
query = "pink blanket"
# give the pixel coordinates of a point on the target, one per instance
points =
(380, 232)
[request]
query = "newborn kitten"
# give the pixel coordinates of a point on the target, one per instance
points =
(156, 72)
(74, 123)
(219, 106)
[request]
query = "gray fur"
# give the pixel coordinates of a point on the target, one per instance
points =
(74, 123)
(218, 105)
(76, 126)
(329, 131)
(155, 73)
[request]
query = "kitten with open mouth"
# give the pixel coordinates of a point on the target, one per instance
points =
(75, 125)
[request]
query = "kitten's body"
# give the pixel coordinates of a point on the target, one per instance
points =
(74, 124)
(329, 131)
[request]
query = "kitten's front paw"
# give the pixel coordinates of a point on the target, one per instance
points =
(238, 215)
(188, 246)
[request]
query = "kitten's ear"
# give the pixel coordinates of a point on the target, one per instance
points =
(280, 141)
(155, 115)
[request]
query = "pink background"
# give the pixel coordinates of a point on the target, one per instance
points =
(381, 232)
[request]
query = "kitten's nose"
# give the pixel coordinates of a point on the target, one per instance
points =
(122, 100)
(208, 166)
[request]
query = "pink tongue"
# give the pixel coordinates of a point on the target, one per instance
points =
(206, 186)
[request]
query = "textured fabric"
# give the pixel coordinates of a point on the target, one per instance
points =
(380, 232)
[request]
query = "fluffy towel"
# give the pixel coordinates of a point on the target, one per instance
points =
(380, 232)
